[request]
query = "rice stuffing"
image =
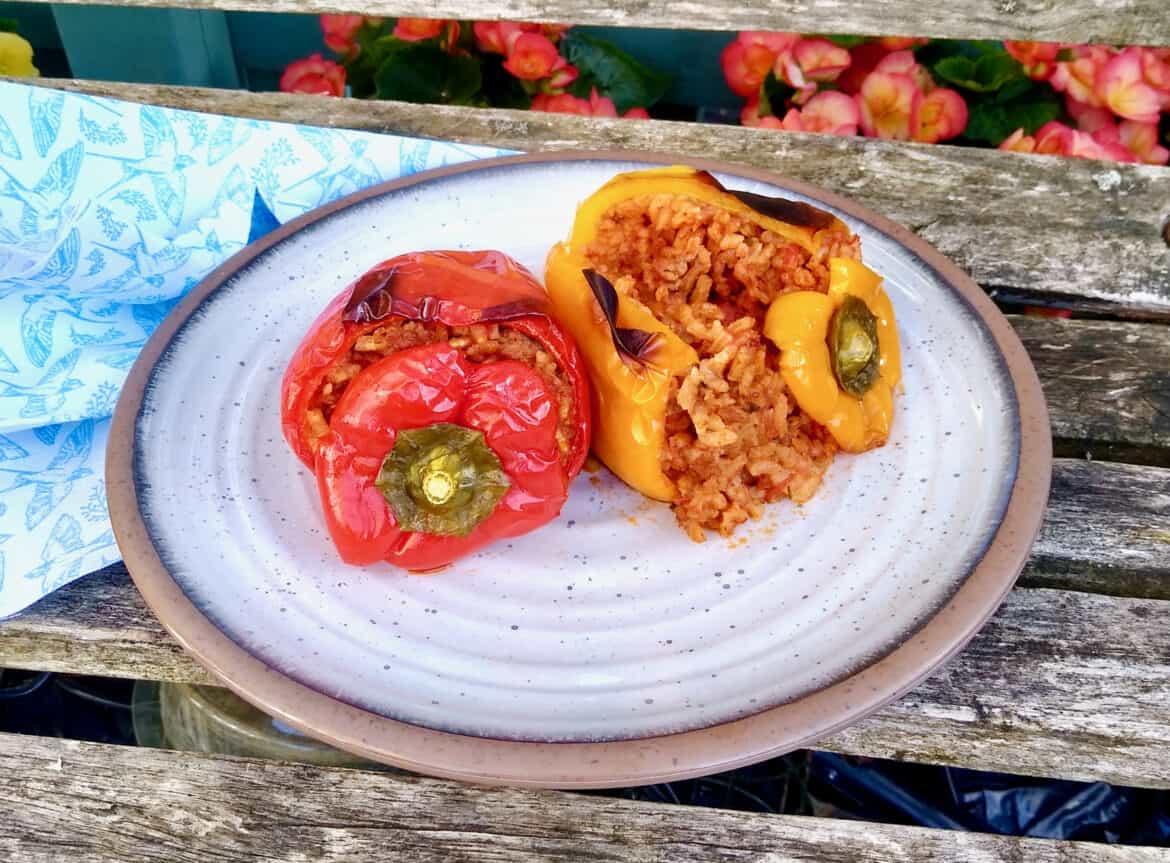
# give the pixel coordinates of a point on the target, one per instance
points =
(479, 343)
(734, 441)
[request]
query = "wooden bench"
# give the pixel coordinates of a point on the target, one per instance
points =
(1071, 679)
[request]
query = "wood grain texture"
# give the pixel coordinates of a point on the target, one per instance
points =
(1107, 385)
(1128, 22)
(1107, 530)
(83, 802)
(1082, 230)
(1060, 683)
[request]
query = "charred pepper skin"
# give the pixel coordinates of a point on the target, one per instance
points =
(633, 357)
(463, 452)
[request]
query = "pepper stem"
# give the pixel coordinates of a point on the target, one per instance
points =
(442, 479)
(853, 346)
(437, 484)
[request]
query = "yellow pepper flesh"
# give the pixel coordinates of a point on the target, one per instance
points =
(798, 324)
(629, 405)
(631, 394)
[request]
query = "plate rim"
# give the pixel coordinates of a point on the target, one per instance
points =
(614, 763)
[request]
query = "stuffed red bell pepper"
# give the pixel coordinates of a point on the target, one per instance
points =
(440, 408)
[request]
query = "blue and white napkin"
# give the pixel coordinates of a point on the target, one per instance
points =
(109, 212)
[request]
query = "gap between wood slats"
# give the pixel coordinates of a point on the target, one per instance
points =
(1068, 228)
(1122, 22)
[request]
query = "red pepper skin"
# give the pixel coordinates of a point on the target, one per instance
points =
(418, 387)
(453, 288)
(507, 401)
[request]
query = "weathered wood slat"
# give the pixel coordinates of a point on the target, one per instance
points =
(1107, 385)
(84, 802)
(1088, 231)
(1124, 22)
(1107, 530)
(1060, 682)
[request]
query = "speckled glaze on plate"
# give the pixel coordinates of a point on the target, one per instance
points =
(605, 648)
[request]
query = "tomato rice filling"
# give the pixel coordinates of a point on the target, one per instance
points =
(735, 441)
(478, 343)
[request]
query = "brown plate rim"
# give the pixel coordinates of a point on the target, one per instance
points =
(615, 763)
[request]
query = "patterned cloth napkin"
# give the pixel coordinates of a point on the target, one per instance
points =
(110, 212)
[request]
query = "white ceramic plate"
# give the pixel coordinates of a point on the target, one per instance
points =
(607, 624)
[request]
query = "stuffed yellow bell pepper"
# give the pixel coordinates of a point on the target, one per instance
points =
(632, 356)
(839, 354)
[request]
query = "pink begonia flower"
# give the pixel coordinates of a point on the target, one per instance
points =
(561, 103)
(747, 61)
(788, 70)
(555, 31)
(532, 57)
(777, 43)
(1051, 139)
(941, 115)
(1123, 89)
(1156, 72)
(863, 60)
(339, 31)
(1082, 145)
(1054, 138)
(418, 29)
(595, 106)
(903, 63)
(888, 102)
(820, 59)
(832, 113)
(1109, 139)
(1058, 139)
(900, 43)
(750, 116)
(602, 106)
(1141, 139)
(563, 74)
(745, 67)
(1078, 77)
(498, 37)
(1037, 58)
(1018, 142)
(314, 74)
(1087, 118)
(793, 122)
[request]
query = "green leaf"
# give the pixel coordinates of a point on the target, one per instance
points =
(8, 25)
(955, 69)
(422, 72)
(989, 123)
(500, 87)
(987, 74)
(939, 49)
(1015, 89)
(765, 106)
(774, 96)
(614, 72)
